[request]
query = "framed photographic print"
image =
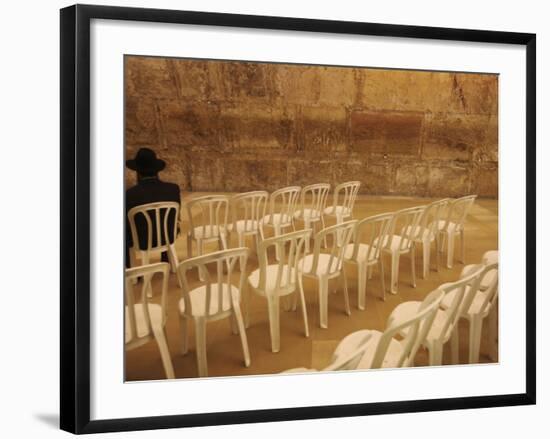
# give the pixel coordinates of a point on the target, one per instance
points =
(255, 204)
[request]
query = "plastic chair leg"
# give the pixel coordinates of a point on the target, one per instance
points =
(233, 325)
(462, 247)
(241, 244)
(436, 354)
(274, 329)
(382, 277)
(476, 324)
(450, 249)
(425, 258)
(242, 333)
(277, 232)
(361, 285)
(394, 272)
(200, 346)
(455, 342)
(346, 295)
(413, 264)
(303, 305)
(165, 354)
(184, 335)
(323, 302)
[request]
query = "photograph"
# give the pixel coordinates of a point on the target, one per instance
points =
(298, 218)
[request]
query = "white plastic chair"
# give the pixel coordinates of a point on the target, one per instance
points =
(453, 225)
(443, 327)
(213, 299)
(159, 238)
(400, 240)
(343, 202)
(384, 349)
(347, 361)
(365, 253)
(325, 266)
(282, 205)
(144, 321)
(313, 201)
(207, 222)
(208, 217)
(247, 213)
(273, 281)
(427, 232)
(483, 303)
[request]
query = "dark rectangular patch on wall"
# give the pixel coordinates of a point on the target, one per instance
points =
(389, 132)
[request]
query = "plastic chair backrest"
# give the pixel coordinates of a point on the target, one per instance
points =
(417, 327)
(291, 250)
(458, 211)
(350, 361)
(214, 284)
(465, 289)
(370, 231)
(490, 294)
(209, 213)
(403, 224)
(430, 217)
(346, 193)
(147, 273)
(156, 217)
(249, 209)
(336, 251)
(314, 197)
(283, 202)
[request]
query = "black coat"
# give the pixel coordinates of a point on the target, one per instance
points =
(148, 190)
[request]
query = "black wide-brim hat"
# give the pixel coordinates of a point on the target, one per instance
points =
(146, 162)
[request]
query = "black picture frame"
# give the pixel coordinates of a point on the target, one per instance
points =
(75, 217)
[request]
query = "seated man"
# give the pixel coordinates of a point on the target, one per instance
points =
(149, 189)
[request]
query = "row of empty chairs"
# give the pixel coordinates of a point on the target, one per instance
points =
(430, 323)
(359, 242)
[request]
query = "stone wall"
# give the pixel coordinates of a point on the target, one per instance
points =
(234, 126)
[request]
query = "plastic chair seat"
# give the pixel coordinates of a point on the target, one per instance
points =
(451, 227)
(322, 265)
(342, 211)
(244, 226)
(198, 300)
(350, 343)
(155, 313)
(278, 219)
(425, 235)
(405, 310)
(475, 307)
(362, 253)
(271, 279)
(207, 232)
(394, 244)
(308, 214)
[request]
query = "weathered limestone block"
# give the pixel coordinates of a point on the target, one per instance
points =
(191, 79)
(149, 76)
(244, 81)
(449, 181)
(247, 175)
(190, 125)
(297, 84)
(141, 122)
(305, 172)
(378, 178)
(323, 129)
(457, 136)
(474, 94)
(206, 173)
(396, 133)
(337, 86)
(485, 180)
(257, 128)
(412, 179)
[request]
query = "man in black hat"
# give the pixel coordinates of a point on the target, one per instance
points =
(149, 189)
